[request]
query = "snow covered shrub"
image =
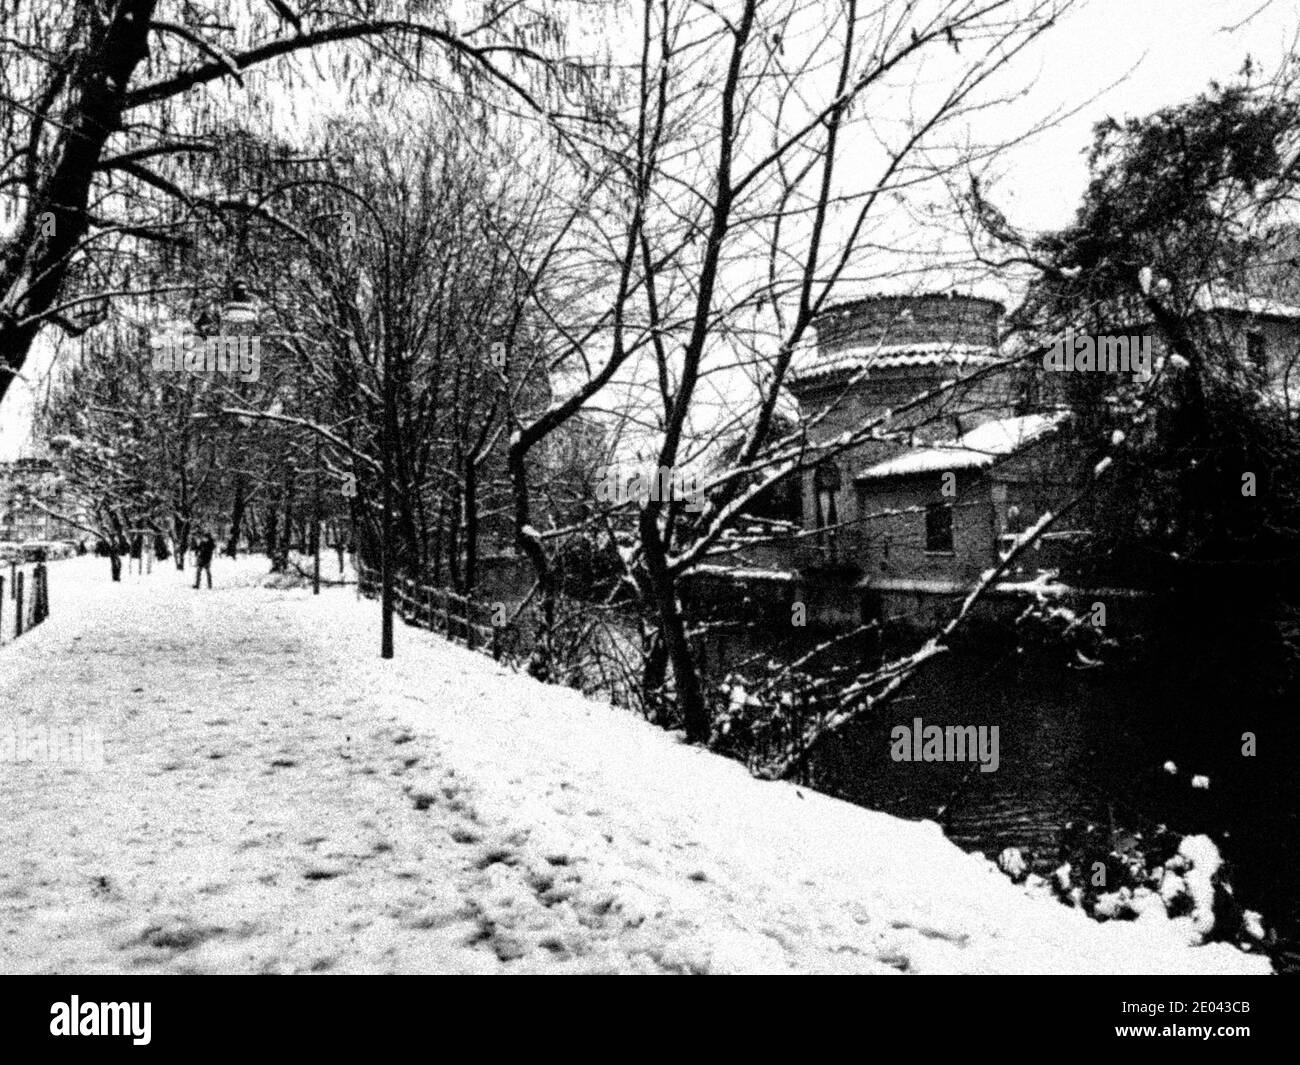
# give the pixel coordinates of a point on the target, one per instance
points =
(755, 723)
(1048, 622)
(1125, 876)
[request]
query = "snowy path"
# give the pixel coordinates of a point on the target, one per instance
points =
(276, 799)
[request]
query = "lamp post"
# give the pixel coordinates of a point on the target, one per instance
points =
(239, 313)
(316, 519)
(389, 440)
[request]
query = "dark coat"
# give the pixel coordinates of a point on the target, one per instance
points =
(204, 549)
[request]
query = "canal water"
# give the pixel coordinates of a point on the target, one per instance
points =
(1088, 746)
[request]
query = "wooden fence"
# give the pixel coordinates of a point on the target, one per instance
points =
(24, 600)
(761, 735)
(457, 617)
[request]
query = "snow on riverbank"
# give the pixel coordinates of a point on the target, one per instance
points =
(276, 798)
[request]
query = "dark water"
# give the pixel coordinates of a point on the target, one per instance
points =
(1085, 745)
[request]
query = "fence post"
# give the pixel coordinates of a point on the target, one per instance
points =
(18, 618)
(13, 579)
(801, 708)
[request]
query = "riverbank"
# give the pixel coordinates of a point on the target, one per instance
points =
(274, 798)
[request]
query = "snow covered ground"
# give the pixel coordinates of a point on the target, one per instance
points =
(274, 798)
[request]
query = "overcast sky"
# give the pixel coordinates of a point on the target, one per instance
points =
(1173, 48)
(1133, 56)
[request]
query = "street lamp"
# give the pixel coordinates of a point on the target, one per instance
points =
(239, 314)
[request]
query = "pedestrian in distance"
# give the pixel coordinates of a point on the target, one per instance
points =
(204, 548)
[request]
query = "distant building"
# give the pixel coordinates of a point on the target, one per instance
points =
(1266, 335)
(902, 523)
(23, 483)
(918, 508)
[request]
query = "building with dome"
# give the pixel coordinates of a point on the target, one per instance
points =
(922, 507)
(901, 524)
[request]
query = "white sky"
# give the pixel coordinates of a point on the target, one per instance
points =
(1174, 48)
(1133, 56)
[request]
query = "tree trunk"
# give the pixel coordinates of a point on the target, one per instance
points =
(672, 626)
(470, 507)
(653, 676)
(39, 262)
(182, 530)
(540, 664)
(273, 531)
(285, 544)
(436, 547)
(454, 573)
(236, 519)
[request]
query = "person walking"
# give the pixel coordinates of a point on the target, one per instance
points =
(204, 548)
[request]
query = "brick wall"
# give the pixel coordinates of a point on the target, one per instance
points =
(955, 413)
(936, 319)
(939, 319)
(1281, 344)
(892, 545)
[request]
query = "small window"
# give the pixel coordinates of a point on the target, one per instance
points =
(826, 486)
(938, 529)
(1257, 350)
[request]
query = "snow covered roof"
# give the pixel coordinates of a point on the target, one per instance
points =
(976, 449)
(1221, 299)
(812, 366)
(745, 573)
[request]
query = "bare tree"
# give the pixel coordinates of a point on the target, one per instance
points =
(738, 169)
(97, 100)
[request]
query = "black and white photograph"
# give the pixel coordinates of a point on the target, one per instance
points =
(649, 487)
